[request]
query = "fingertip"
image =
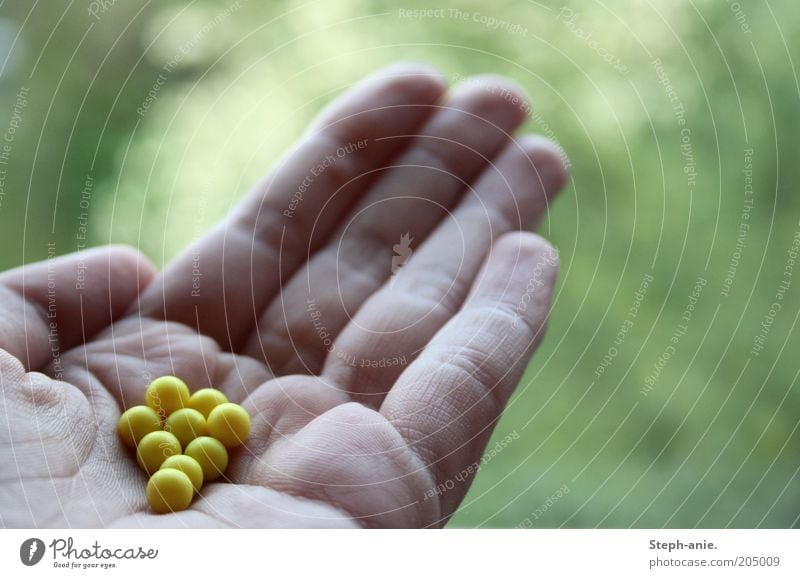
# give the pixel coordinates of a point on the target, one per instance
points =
(495, 92)
(124, 259)
(409, 82)
(529, 251)
(418, 74)
(549, 161)
(127, 273)
(399, 85)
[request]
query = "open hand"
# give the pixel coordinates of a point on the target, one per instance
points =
(372, 304)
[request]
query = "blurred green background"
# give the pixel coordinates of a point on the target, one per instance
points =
(682, 124)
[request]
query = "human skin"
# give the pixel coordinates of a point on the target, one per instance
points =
(338, 439)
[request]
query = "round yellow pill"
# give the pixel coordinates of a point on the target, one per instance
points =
(204, 400)
(136, 423)
(230, 424)
(169, 490)
(210, 454)
(189, 466)
(167, 394)
(186, 424)
(156, 447)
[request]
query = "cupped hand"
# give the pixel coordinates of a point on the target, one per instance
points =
(372, 303)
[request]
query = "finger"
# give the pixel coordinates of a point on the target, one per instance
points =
(220, 285)
(447, 402)
(51, 306)
(394, 325)
(410, 199)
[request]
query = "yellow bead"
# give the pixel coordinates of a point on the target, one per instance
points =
(210, 454)
(167, 394)
(156, 447)
(204, 400)
(186, 424)
(136, 423)
(169, 490)
(189, 466)
(230, 424)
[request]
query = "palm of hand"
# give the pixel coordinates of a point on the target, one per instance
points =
(366, 395)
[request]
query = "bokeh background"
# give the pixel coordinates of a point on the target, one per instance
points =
(142, 122)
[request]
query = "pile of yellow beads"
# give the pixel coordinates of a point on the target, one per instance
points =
(182, 440)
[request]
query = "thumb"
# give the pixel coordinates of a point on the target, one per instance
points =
(56, 304)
